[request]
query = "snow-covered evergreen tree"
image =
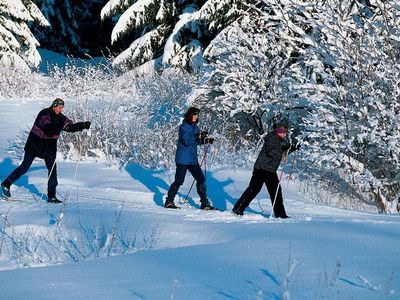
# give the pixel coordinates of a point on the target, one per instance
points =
(168, 33)
(62, 36)
(17, 43)
(253, 74)
(335, 64)
(70, 19)
(355, 129)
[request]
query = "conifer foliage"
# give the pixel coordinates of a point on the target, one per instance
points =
(76, 28)
(17, 43)
(62, 36)
(333, 65)
(355, 128)
(168, 33)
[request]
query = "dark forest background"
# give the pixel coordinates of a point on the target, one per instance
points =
(76, 29)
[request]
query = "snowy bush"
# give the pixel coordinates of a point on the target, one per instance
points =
(90, 81)
(135, 118)
(77, 80)
(28, 246)
(138, 125)
(21, 83)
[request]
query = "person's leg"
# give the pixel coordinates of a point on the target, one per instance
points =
(17, 173)
(52, 172)
(274, 188)
(20, 170)
(198, 175)
(255, 185)
(179, 179)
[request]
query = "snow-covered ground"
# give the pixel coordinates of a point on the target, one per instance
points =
(114, 240)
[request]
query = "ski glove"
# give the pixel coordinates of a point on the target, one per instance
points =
(291, 148)
(86, 125)
(294, 148)
(202, 135)
(74, 127)
(209, 140)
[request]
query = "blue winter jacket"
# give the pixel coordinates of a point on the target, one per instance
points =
(186, 152)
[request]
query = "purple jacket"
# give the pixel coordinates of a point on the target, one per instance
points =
(42, 139)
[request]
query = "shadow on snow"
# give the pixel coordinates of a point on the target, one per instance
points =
(151, 180)
(7, 166)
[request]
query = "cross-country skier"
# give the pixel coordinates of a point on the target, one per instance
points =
(42, 143)
(264, 171)
(186, 158)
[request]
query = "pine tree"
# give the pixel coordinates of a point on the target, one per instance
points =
(252, 79)
(338, 61)
(17, 43)
(168, 33)
(355, 129)
(70, 22)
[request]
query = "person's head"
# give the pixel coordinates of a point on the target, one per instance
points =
(281, 130)
(58, 105)
(192, 115)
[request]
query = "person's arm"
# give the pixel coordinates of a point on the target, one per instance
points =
(291, 148)
(69, 126)
(203, 138)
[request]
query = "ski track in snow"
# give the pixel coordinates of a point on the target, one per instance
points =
(143, 201)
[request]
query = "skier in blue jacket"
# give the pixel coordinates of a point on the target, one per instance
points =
(190, 137)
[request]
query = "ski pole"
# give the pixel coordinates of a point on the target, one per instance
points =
(48, 177)
(279, 183)
(205, 167)
(202, 160)
(291, 169)
(51, 170)
(293, 162)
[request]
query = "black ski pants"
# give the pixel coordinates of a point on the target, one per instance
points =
(270, 179)
(26, 164)
(180, 174)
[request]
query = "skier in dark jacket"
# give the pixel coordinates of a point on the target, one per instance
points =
(264, 171)
(42, 143)
(186, 158)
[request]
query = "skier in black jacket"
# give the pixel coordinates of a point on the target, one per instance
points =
(264, 171)
(42, 143)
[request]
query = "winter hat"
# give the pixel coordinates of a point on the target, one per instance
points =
(58, 102)
(280, 128)
(190, 113)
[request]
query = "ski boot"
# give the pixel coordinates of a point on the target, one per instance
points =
(54, 200)
(237, 212)
(207, 206)
(6, 190)
(170, 204)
